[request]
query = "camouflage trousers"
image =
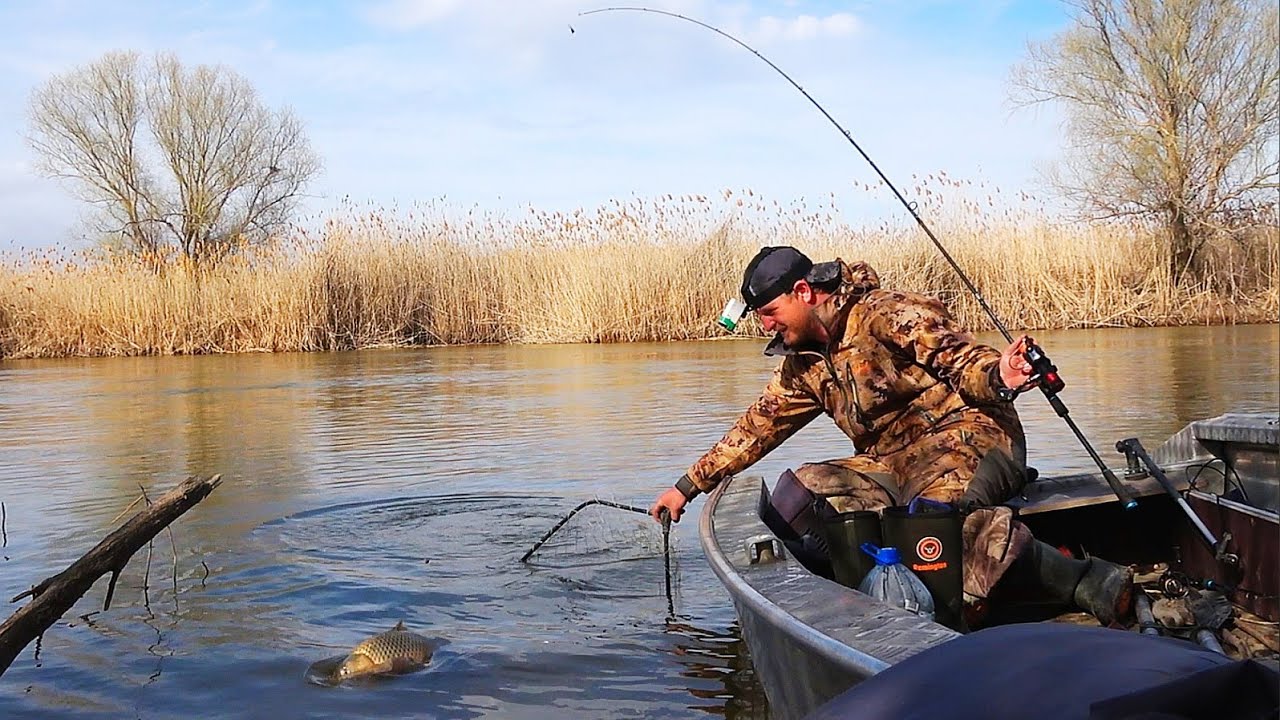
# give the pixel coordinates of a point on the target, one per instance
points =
(966, 464)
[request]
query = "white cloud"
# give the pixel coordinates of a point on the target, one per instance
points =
(404, 15)
(485, 15)
(806, 27)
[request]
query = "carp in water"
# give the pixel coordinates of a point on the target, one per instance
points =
(394, 652)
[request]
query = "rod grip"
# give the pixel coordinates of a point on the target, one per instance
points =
(1127, 501)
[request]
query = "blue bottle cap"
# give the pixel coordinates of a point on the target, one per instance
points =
(923, 506)
(883, 556)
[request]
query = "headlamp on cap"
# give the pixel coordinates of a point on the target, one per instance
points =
(771, 273)
(732, 314)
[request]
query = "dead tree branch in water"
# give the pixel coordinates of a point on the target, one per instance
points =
(57, 594)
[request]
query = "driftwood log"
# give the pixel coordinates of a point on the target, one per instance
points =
(57, 594)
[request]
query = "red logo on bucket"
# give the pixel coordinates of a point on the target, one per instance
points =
(929, 548)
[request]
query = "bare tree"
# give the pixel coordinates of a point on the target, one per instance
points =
(1173, 111)
(85, 127)
(173, 156)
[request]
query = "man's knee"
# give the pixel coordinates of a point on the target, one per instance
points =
(844, 488)
(859, 501)
(997, 478)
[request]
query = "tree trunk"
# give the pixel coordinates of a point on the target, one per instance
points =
(1181, 246)
(56, 595)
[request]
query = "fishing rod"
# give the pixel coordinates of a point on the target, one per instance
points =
(1044, 374)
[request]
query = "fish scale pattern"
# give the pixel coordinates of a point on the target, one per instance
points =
(394, 644)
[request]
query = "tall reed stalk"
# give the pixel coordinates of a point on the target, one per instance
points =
(636, 271)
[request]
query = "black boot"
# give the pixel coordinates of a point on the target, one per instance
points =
(1100, 588)
(1106, 591)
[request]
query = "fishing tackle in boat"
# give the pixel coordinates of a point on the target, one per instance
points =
(1045, 375)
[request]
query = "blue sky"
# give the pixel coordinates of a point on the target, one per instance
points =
(496, 104)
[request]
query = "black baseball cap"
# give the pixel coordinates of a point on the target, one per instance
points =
(771, 273)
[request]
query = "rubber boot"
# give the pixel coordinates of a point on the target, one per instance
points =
(929, 540)
(845, 533)
(1106, 591)
(1100, 588)
(790, 513)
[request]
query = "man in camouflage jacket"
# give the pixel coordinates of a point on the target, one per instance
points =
(918, 396)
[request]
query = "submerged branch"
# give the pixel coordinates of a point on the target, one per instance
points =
(57, 594)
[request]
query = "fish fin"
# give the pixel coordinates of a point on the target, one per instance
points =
(403, 665)
(399, 626)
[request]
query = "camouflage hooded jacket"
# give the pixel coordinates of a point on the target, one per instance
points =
(898, 366)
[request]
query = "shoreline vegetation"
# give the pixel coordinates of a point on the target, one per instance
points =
(641, 270)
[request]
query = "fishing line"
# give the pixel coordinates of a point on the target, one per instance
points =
(1046, 375)
(911, 207)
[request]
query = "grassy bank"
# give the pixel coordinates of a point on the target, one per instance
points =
(626, 272)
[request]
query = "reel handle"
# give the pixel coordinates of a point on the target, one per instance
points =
(1044, 372)
(1044, 375)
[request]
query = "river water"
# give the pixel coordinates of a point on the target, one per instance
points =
(365, 488)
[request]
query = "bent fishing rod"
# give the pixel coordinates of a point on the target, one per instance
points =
(1045, 374)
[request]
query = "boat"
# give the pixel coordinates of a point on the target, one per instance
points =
(812, 639)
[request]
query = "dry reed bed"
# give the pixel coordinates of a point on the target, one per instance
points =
(637, 271)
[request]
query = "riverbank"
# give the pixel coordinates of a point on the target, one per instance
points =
(641, 271)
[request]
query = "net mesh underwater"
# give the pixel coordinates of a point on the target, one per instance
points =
(472, 556)
(599, 532)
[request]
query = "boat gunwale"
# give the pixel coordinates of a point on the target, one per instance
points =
(851, 659)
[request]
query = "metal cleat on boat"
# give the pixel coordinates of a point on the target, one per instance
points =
(764, 549)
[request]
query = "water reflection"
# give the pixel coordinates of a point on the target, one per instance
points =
(288, 562)
(1148, 383)
(717, 668)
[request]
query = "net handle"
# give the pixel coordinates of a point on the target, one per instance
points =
(631, 508)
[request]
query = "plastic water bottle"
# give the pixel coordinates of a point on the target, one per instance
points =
(892, 582)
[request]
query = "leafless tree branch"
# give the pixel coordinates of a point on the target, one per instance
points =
(1173, 111)
(174, 156)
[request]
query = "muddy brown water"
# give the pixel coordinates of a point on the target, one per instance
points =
(369, 487)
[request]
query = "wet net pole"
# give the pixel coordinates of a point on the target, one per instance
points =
(666, 560)
(666, 539)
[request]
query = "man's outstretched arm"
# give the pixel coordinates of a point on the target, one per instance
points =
(784, 408)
